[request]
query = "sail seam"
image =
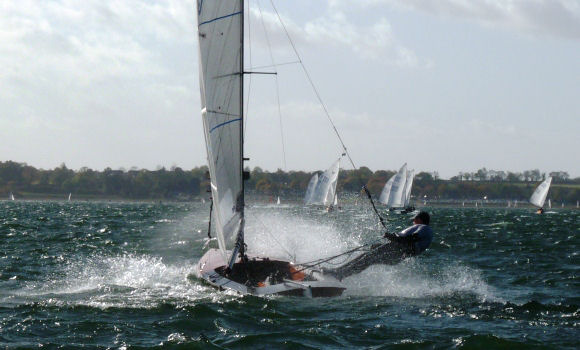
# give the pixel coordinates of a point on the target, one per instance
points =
(222, 17)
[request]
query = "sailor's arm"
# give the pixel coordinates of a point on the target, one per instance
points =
(396, 238)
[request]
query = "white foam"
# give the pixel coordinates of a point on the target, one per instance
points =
(122, 281)
(412, 278)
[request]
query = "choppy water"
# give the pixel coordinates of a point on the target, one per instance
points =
(115, 275)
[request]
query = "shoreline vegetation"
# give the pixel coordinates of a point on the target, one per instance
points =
(487, 187)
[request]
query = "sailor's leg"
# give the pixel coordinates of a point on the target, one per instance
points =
(389, 254)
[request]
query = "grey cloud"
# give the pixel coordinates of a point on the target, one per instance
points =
(544, 17)
(334, 28)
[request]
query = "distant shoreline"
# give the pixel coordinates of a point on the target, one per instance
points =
(350, 200)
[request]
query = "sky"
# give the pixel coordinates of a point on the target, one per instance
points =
(448, 85)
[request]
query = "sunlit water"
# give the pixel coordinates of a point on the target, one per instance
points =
(119, 275)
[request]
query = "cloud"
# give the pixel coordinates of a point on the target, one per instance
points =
(90, 72)
(559, 18)
(336, 29)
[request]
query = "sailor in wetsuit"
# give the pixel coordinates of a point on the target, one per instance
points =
(409, 242)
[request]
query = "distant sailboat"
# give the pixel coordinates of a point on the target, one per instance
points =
(408, 186)
(11, 196)
(322, 188)
(69, 196)
(538, 198)
(394, 194)
(310, 189)
(278, 201)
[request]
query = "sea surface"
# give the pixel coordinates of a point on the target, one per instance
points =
(102, 275)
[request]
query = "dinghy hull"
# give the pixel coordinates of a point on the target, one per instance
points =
(263, 276)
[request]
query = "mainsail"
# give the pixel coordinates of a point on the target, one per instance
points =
(324, 186)
(539, 196)
(394, 190)
(220, 27)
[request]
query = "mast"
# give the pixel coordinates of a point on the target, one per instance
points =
(240, 201)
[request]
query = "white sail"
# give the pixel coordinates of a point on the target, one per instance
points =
(408, 187)
(396, 190)
(325, 189)
(11, 196)
(278, 201)
(220, 30)
(539, 196)
(69, 196)
(310, 190)
(386, 192)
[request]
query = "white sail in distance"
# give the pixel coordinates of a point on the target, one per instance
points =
(325, 186)
(394, 189)
(220, 30)
(386, 192)
(539, 196)
(408, 187)
(310, 189)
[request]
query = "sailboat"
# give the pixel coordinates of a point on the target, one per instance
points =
(538, 198)
(11, 196)
(221, 53)
(69, 196)
(322, 188)
(278, 201)
(407, 193)
(393, 192)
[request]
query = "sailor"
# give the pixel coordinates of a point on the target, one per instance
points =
(409, 242)
(540, 211)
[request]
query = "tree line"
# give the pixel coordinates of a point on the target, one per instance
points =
(29, 182)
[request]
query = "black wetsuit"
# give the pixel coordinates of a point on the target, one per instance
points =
(409, 242)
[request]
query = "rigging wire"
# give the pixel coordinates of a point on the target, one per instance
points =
(345, 150)
(372, 245)
(275, 65)
(277, 85)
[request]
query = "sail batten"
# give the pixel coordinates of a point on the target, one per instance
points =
(222, 17)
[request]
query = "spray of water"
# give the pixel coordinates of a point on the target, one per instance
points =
(413, 279)
(294, 237)
(119, 281)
